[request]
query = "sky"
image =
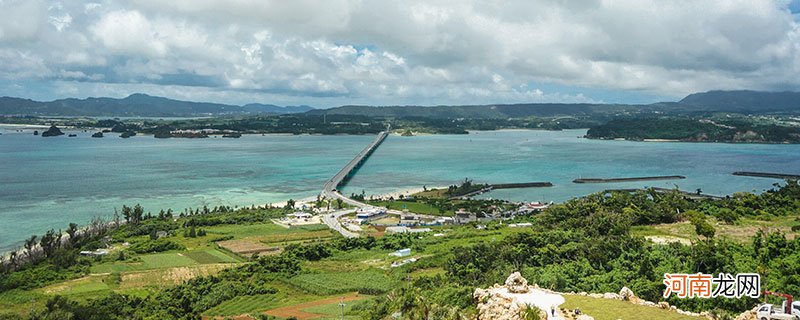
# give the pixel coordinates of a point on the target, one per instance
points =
(339, 52)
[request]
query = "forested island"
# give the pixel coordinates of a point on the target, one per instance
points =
(710, 129)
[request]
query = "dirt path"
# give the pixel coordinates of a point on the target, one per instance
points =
(297, 310)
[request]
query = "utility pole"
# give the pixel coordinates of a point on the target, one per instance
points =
(341, 305)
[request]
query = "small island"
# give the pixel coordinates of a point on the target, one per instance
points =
(127, 134)
(52, 132)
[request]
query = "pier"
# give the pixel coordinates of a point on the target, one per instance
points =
(611, 180)
(767, 175)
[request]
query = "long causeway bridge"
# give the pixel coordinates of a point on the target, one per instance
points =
(330, 189)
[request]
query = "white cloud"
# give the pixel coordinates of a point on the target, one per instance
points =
(397, 52)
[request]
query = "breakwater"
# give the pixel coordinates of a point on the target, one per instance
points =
(767, 175)
(611, 180)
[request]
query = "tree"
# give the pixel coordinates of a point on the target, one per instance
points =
(138, 213)
(30, 243)
(72, 231)
(290, 204)
(127, 213)
(339, 203)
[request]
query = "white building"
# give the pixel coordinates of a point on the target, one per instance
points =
(370, 213)
(402, 229)
(401, 253)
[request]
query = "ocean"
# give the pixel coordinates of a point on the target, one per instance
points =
(49, 182)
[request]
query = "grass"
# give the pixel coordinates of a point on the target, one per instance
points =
(333, 310)
(415, 207)
(367, 281)
(260, 229)
(88, 284)
(20, 302)
(165, 260)
(607, 309)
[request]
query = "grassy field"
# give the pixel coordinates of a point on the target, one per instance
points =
(607, 309)
(742, 231)
(416, 207)
(165, 260)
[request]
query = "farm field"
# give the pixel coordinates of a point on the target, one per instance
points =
(367, 281)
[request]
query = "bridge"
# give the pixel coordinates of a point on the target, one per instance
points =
(330, 189)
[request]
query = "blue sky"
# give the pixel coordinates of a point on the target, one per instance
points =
(336, 52)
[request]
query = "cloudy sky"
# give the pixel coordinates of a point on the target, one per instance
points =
(334, 52)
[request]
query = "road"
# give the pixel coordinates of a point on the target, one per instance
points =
(332, 220)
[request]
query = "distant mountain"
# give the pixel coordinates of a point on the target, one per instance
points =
(501, 111)
(138, 104)
(744, 101)
(271, 108)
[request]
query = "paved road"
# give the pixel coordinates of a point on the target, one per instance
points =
(332, 220)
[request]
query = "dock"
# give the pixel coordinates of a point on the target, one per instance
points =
(781, 176)
(613, 180)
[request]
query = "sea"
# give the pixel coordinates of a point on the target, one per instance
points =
(49, 182)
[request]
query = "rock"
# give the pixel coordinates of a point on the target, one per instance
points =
(98, 134)
(609, 295)
(663, 305)
(52, 132)
(584, 317)
(626, 294)
(516, 283)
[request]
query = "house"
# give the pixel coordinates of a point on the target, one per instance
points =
(96, 253)
(371, 213)
(520, 225)
(401, 253)
(445, 221)
(299, 215)
(532, 207)
(409, 220)
(462, 216)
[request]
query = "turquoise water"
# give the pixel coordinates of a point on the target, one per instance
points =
(49, 182)
(560, 157)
